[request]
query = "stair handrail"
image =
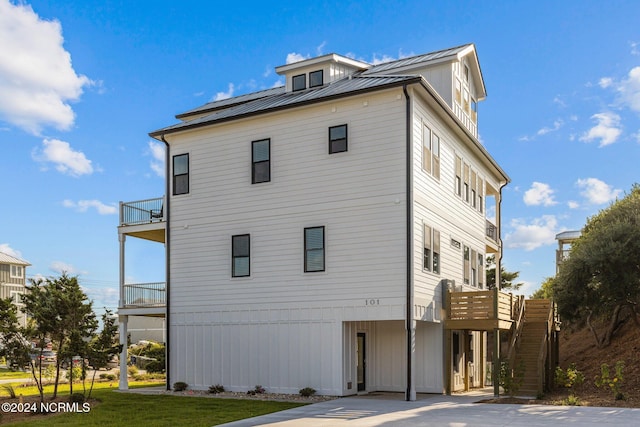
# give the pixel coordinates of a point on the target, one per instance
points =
(542, 355)
(517, 329)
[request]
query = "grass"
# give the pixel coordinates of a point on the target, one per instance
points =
(7, 374)
(122, 409)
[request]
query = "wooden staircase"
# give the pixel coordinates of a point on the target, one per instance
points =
(535, 350)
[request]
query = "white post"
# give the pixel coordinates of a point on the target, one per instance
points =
(124, 381)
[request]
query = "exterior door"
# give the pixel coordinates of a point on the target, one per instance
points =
(361, 361)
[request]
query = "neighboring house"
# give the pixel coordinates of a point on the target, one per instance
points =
(565, 240)
(330, 233)
(13, 273)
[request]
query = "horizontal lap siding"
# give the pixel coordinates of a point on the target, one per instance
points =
(358, 196)
(437, 205)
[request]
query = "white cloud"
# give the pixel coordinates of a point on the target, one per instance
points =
(320, 48)
(37, 79)
(573, 204)
(635, 48)
(382, 59)
(597, 192)
(539, 194)
(556, 126)
(559, 101)
(541, 231)
(84, 205)
(629, 90)
(66, 160)
(607, 131)
(605, 82)
(4, 247)
(62, 267)
(296, 57)
(224, 95)
(156, 150)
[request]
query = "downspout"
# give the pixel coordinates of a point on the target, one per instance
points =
(409, 229)
(496, 333)
(167, 246)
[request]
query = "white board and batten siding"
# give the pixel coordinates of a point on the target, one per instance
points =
(282, 326)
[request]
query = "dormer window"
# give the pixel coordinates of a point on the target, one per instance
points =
(466, 73)
(315, 78)
(299, 82)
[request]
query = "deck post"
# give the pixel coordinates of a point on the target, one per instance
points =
(496, 362)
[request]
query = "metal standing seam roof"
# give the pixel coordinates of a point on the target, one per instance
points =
(347, 86)
(8, 259)
(224, 103)
(427, 57)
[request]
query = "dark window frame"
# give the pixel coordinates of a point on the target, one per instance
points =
(297, 78)
(255, 163)
(334, 142)
(312, 75)
(177, 176)
(246, 255)
(307, 250)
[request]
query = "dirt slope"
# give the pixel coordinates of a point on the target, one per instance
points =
(579, 347)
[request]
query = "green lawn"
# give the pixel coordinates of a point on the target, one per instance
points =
(124, 409)
(7, 374)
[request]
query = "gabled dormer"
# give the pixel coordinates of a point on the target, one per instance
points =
(319, 71)
(455, 75)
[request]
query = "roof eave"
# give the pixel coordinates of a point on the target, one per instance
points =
(158, 134)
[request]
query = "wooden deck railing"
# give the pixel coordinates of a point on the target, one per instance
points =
(481, 310)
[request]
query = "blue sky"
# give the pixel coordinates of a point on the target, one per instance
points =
(83, 82)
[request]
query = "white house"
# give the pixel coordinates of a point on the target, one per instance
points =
(13, 279)
(314, 232)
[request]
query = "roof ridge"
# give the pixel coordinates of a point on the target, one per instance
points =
(419, 55)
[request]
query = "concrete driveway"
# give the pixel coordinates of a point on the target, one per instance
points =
(383, 409)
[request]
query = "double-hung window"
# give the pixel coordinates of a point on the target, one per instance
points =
(431, 253)
(337, 139)
(240, 255)
(17, 272)
(261, 161)
(314, 249)
(431, 152)
(181, 174)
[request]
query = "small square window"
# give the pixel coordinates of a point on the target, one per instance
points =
(299, 82)
(315, 78)
(261, 161)
(240, 249)
(337, 139)
(181, 174)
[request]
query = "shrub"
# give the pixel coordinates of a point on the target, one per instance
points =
(257, 390)
(614, 382)
(76, 372)
(132, 371)
(180, 386)
(9, 389)
(571, 400)
(215, 389)
(151, 376)
(76, 398)
(307, 391)
(571, 378)
(511, 379)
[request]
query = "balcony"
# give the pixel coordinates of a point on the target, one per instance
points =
(481, 310)
(144, 295)
(144, 219)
